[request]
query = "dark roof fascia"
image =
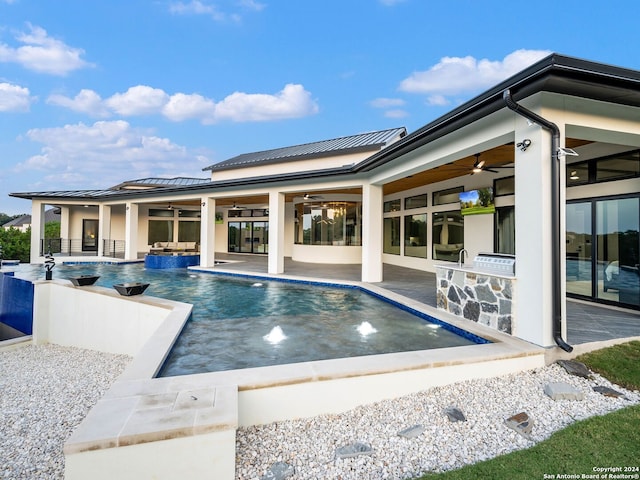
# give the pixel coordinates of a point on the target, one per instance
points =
(555, 73)
(191, 189)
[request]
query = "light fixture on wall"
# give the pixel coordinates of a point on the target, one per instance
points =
(567, 152)
(204, 203)
(524, 144)
(574, 175)
(169, 207)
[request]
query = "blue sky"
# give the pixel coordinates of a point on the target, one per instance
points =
(96, 92)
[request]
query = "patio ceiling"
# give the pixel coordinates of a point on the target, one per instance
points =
(498, 156)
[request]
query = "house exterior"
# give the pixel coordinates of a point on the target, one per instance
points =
(23, 222)
(553, 151)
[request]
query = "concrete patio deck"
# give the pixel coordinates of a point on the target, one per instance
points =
(586, 322)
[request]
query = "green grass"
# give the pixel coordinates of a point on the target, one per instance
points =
(608, 440)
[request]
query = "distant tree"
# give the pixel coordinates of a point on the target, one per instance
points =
(4, 218)
(52, 230)
(15, 244)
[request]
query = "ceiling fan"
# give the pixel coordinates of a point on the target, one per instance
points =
(306, 196)
(235, 207)
(481, 166)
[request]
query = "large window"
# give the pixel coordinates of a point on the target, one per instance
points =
(392, 206)
(615, 167)
(329, 223)
(392, 235)
(448, 235)
(505, 233)
(451, 195)
(417, 201)
(415, 235)
(160, 231)
(189, 231)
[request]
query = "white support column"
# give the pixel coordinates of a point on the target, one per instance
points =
(276, 232)
(131, 232)
(207, 232)
(104, 227)
(372, 222)
(37, 229)
(65, 221)
(534, 297)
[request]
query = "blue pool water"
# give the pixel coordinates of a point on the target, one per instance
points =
(240, 322)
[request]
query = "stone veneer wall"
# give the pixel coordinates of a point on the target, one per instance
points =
(478, 297)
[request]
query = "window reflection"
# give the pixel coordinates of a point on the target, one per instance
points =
(415, 235)
(329, 223)
(448, 235)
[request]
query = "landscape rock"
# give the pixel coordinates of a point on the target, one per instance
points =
(563, 391)
(576, 368)
(521, 423)
(455, 414)
(279, 471)
(353, 450)
(608, 392)
(412, 432)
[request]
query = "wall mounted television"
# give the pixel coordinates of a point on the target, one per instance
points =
(477, 202)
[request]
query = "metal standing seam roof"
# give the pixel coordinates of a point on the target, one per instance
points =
(359, 142)
(160, 183)
(163, 182)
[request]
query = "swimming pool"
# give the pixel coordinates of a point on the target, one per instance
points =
(240, 322)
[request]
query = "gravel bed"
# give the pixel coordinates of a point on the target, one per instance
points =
(45, 392)
(309, 445)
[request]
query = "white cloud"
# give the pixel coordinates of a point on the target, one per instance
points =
(293, 101)
(183, 107)
(253, 5)
(437, 100)
(386, 102)
(396, 113)
(463, 75)
(14, 98)
(95, 155)
(43, 54)
(87, 102)
(197, 7)
(138, 100)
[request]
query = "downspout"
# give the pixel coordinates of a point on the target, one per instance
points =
(555, 214)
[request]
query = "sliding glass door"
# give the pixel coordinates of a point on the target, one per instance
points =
(248, 237)
(617, 226)
(602, 250)
(579, 242)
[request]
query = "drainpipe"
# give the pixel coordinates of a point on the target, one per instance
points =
(555, 213)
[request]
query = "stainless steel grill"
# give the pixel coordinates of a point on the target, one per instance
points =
(499, 263)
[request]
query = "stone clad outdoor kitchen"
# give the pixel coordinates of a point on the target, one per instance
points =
(484, 293)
